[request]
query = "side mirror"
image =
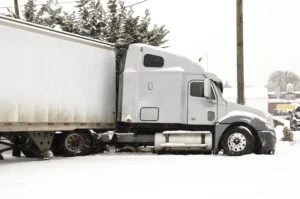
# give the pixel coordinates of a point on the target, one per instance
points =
(207, 88)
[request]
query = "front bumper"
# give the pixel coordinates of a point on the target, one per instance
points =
(268, 141)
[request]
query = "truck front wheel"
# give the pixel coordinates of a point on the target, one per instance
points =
(238, 141)
(75, 144)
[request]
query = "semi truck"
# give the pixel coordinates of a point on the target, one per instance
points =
(61, 92)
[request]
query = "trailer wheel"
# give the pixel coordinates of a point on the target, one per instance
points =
(238, 141)
(75, 144)
(29, 149)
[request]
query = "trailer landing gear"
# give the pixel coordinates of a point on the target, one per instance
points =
(42, 141)
(34, 145)
(10, 146)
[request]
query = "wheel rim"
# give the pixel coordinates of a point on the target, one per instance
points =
(237, 142)
(74, 143)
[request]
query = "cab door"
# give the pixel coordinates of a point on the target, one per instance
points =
(201, 111)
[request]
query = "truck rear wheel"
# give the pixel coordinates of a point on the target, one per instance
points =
(76, 144)
(238, 141)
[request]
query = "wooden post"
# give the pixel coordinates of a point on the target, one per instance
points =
(17, 13)
(240, 52)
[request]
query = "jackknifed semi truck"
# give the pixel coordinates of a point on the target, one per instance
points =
(61, 92)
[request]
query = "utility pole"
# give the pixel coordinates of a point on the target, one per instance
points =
(240, 52)
(17, 13)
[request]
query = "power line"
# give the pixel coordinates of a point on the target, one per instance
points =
(66, 2)
(134, 4)
(40, 4)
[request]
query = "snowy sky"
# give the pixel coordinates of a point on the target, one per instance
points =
(207, 28)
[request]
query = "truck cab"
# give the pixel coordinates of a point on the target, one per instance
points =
(173, 98)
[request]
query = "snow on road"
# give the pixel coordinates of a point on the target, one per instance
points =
(146, 175)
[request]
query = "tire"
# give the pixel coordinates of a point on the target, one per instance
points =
(75, 144)
(238, 141)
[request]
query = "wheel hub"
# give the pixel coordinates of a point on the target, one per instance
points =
(74, 142)
(237, 142)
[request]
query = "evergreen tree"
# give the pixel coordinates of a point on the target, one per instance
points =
(97, 22)
(131, 32)
(50, 15)
(113, 23)
(157, 34)
(30, 11)
(83, 17)
(117, 24)
(143, 27)
(92, 19)
(69, 23)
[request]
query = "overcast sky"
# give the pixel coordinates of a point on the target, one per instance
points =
(207, 28)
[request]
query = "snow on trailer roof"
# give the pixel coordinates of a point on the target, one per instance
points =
(17, 23)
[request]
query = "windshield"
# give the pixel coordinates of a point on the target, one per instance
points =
(217, 89)
(219, 84)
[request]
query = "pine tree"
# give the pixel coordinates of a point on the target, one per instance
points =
(30, 11)
(97, 22)
(131, 31)
(113, 24)
(83, 17)
(156, 35)
(50, 15)
(69, 23)
(118, 24)
(92, 18)
(143, 27)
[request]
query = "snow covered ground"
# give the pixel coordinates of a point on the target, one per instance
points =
(146, 175)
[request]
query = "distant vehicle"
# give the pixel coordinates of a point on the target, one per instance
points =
(284, 114)
(58, 91)
(295, 119)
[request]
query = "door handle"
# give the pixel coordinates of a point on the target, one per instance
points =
(150, 86)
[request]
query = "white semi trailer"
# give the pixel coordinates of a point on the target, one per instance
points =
(58, 92)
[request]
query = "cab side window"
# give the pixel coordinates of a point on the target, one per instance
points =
(197, 90)
(153, 61)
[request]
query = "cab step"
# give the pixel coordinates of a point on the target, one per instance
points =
(183, 145)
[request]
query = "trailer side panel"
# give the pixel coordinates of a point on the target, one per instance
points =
(52, 81)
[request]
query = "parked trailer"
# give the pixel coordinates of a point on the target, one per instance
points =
(53, 81)
(59, 93)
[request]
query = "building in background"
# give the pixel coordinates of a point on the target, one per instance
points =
(283, 102)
